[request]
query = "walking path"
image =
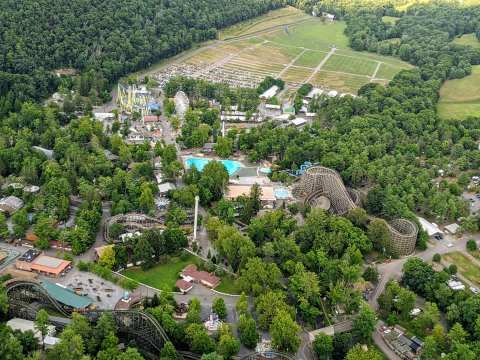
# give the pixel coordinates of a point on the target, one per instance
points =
(319, 66)
(374, 76)
(290, 64)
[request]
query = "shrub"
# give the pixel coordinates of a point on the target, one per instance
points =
(392, 320)
(437, 257)
(452, 269)
(471, 245)
(371, 274)
(293, 208)
(83, 266)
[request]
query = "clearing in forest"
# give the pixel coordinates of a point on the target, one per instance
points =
(464, 265)
(460, 98)
(468, 39)
(297, 48)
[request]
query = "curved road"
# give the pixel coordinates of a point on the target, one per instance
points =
(393, 270)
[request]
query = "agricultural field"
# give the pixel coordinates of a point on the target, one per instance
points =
(297, 48)
(468, 39)
(460, 98)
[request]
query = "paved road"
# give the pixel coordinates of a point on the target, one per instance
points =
(377, 338)
(393, 270)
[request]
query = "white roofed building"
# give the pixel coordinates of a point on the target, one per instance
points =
(165, 187)
(11, 204)
(299, 121)
(452, 228)
(332, 93)
(430, 228)
(314, 92)
(270, 92)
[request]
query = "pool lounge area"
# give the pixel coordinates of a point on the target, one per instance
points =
(232, 166)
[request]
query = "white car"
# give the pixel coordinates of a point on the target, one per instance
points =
(449, 245)
(474, 290)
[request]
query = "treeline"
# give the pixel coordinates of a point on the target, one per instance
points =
(112, 39)
(422, 37)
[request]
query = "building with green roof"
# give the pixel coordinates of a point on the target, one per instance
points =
(66, 296)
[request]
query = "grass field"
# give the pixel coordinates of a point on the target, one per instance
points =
(162, 276)
(273, 18)
(460, 98)
(464, 265)
(313, 34)
(350, 65)
(289, 44)
(468, 39)
(229, 286)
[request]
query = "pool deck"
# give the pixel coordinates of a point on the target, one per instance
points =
(247, 174)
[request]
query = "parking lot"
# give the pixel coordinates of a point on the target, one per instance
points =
(103, 293)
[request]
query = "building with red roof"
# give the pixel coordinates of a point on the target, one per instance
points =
(192, 274)
(184, 286)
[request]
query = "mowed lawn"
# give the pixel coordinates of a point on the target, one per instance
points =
(314, 35)
(310, 58)
(352, 65)
(464, 266)
(162, 276)
(460, 98)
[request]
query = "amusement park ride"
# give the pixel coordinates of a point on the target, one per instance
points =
(135, 99)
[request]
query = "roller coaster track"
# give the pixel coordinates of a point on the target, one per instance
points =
(132, 222)
(318, 181)
(26, 298)
(267, 355)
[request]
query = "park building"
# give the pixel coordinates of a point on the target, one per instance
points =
(10, 204)
(34, 261)
(66, 297)
(192, 275)
(271, 92)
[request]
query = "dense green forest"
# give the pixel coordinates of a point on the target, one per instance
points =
(110, 38)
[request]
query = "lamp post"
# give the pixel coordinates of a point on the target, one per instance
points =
(195, 219)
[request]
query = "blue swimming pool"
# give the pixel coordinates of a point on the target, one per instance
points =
(281, 193)
(232, 166)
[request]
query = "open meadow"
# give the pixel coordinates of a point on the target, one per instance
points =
(295, 47)
(464, 265)
(460, 98)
